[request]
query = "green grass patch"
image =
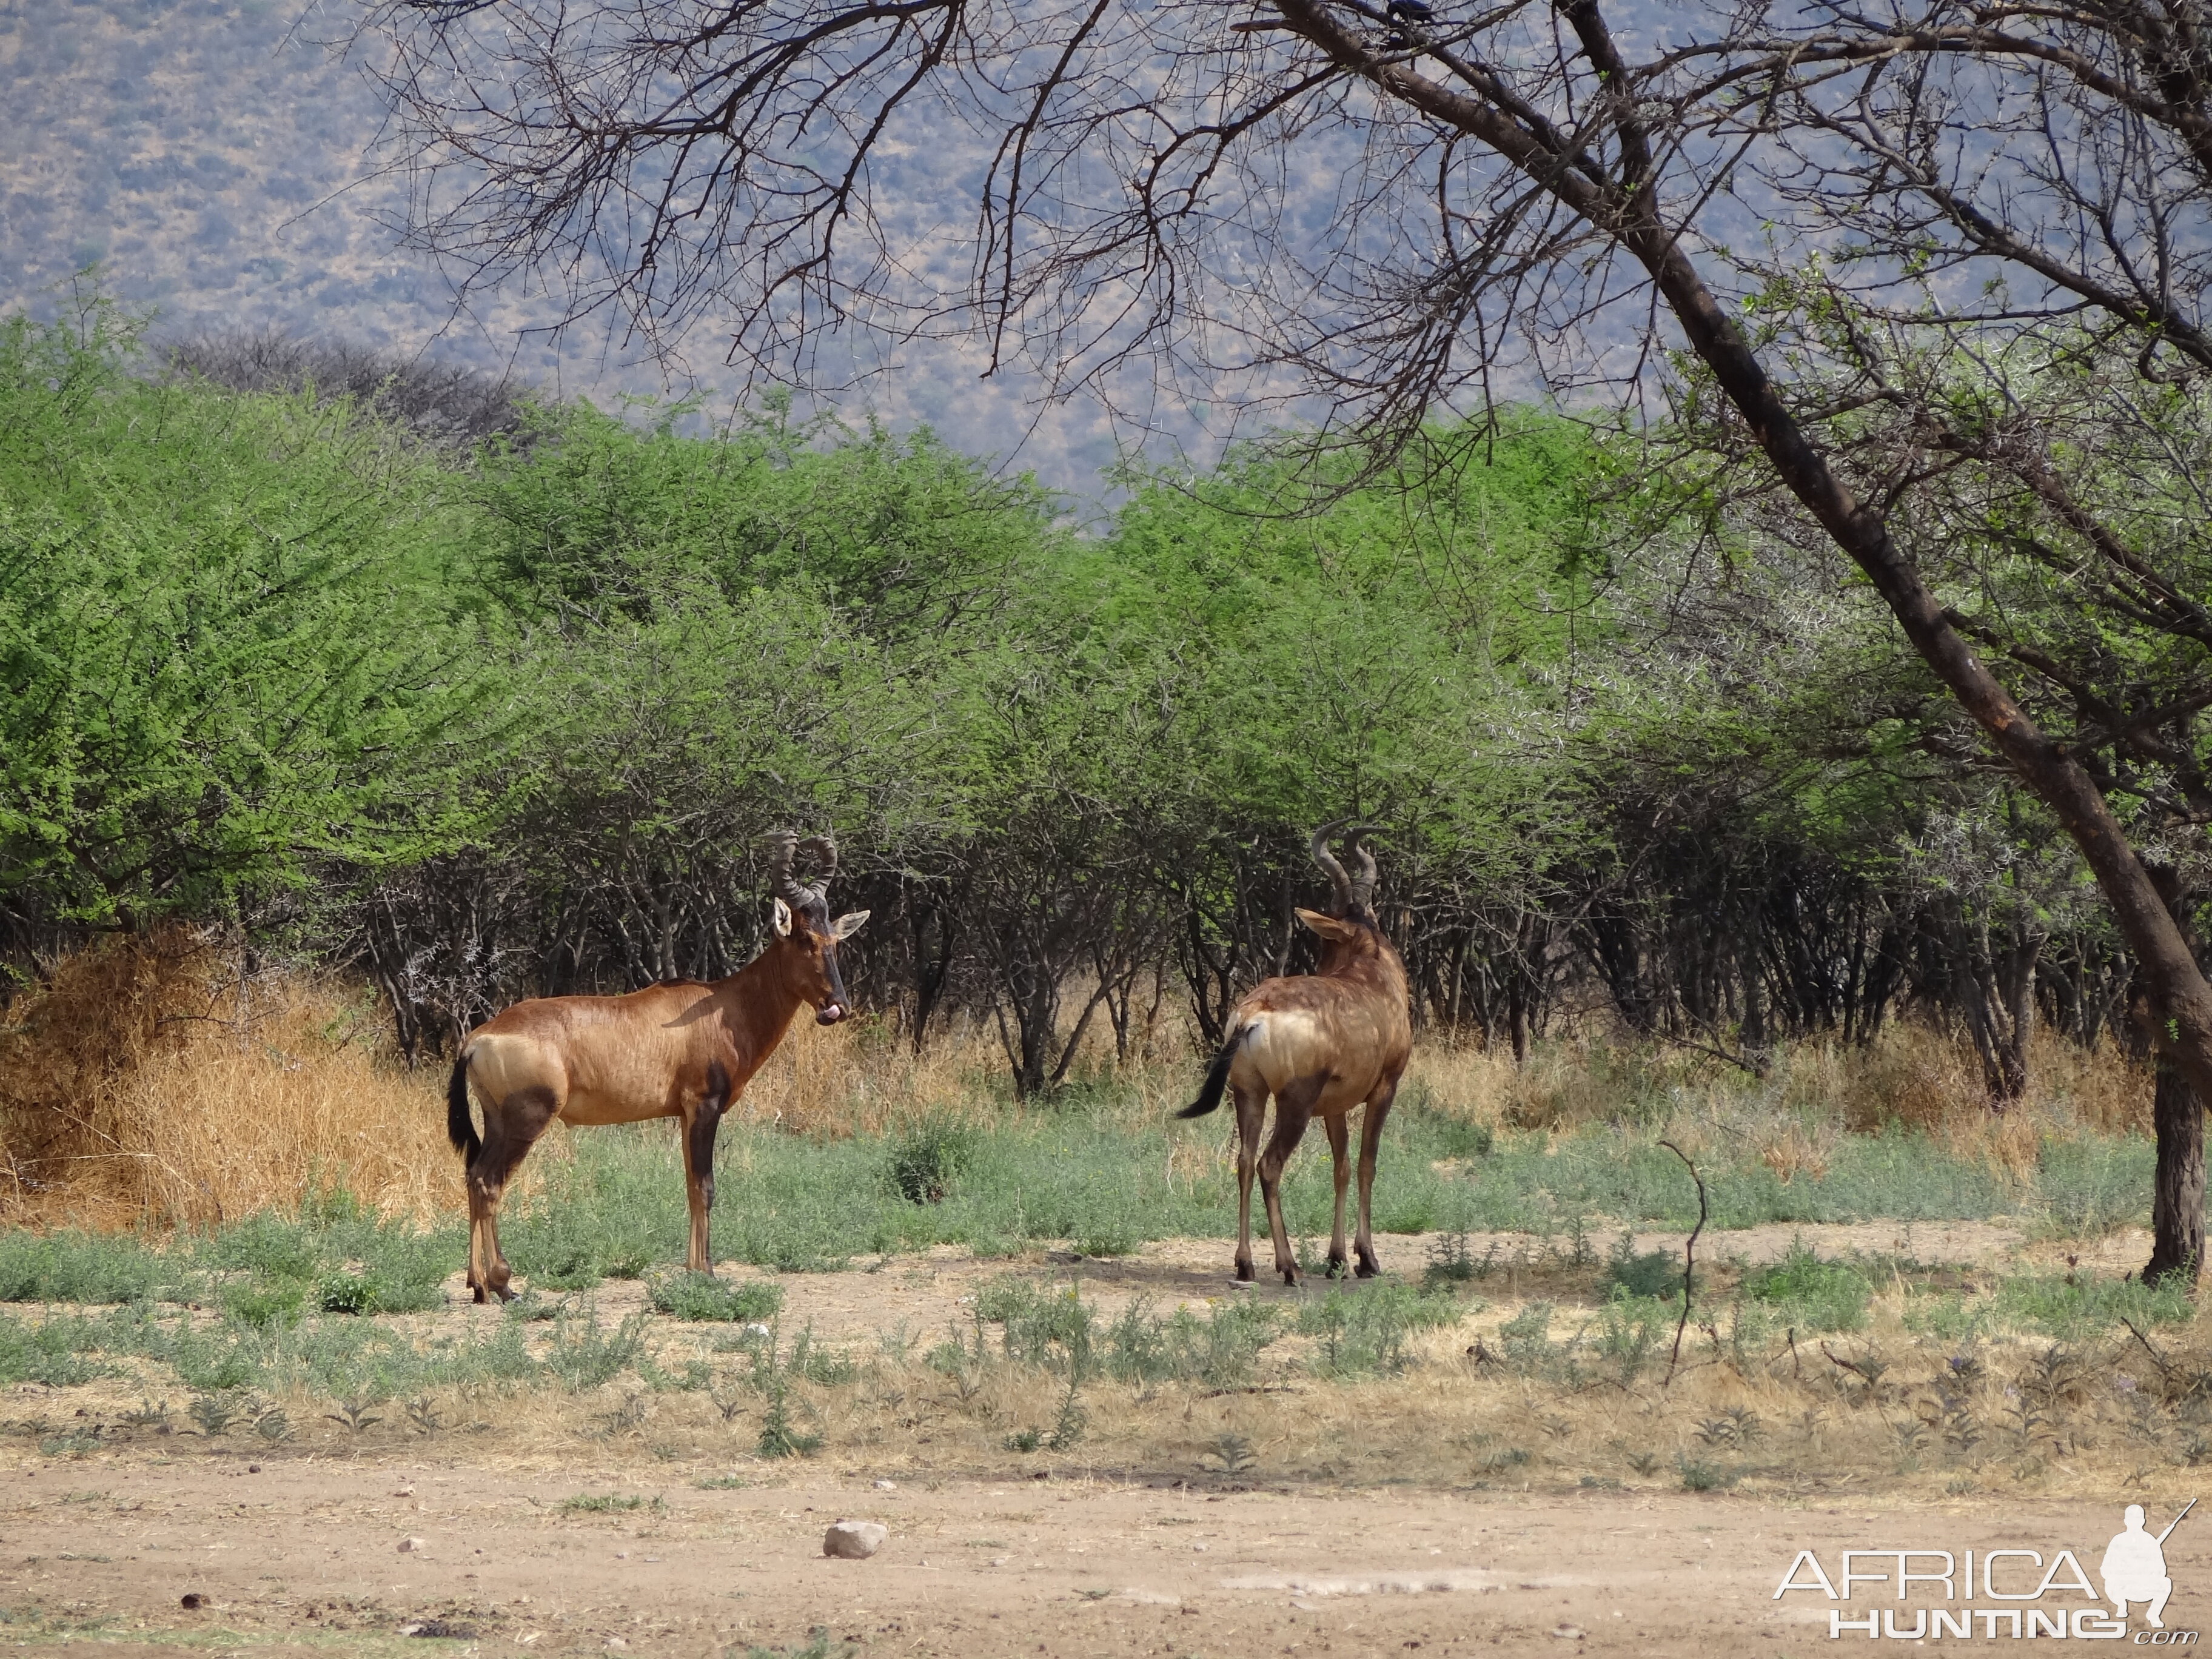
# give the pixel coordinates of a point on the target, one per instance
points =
(2077, 1307)
(607, 1503)
(702, 1298)
(1362, 1332)
(1810, 1294)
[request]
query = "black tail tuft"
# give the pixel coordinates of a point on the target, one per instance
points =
(1217, 1079)
(460, 1128)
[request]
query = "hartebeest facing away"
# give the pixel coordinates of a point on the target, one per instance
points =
(1321, 1043)
(680, 1049)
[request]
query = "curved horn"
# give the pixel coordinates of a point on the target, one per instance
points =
(824, 846)
(1363, 884)
(1339, 884)
(781, 845)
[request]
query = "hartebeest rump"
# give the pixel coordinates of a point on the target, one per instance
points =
(681, 1049)
(1321, 1043)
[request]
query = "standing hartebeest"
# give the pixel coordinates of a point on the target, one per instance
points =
(1321, 1043)
(680, 1049)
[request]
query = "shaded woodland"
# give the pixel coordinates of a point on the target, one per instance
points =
(483, 696)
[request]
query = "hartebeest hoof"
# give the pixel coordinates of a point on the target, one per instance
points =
(1337, 1268)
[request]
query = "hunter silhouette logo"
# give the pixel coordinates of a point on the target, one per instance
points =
(2134, 1567)
(2031, 1589)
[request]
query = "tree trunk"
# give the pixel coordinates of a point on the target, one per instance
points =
(2177, 1207)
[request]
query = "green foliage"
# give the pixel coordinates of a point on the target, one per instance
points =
(584, 1354)
(607, 1503)
(1363, 1332)
(84, 1267)
(925, 1156)
(234, 640)
(50, 1351)
(1816, 1295)
(2079, 1307)
(703, 1297)
(1649, 1274)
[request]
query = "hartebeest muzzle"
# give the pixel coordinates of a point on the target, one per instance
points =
(838, 1006)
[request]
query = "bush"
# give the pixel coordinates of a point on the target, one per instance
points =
(2077, 1307)
(925, 1160)
(82, 1268)
(584, 1354)
(1819, 1296)
(1652, 1274)
(1362, 1333)
(47, 1352)
(702, 1298)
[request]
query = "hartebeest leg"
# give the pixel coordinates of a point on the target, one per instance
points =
(699, 1127)
(510, 1127)
(1293, 1111)
(1370, 1138)
(1251, 1116)
(1340, 1153)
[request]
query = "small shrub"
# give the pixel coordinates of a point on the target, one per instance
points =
(1652, 1274)
(1362, 1333)
(266, 1305)
(1525, 1341)
(2077, 1307)
(926, 1158)
(1451, 1261)
(778, 1438)
(82, 1268)
(1703, 1477)
(703, 1298)
(1821, 1295)
(609, 1503)
(584, 1354)
(50, 1351)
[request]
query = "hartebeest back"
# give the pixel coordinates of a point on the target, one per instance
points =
(681, 1049)
(1321, 1043)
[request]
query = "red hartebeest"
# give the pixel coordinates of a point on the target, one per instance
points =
(680, 1049)
(1321, 1043)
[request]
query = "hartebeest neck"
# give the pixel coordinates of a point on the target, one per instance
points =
(1372, 960)
(756, 1005)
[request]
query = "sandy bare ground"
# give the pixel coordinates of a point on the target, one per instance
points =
(296, 1548)
(304, 1555)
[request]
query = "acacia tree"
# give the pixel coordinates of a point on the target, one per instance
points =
(1388, 207)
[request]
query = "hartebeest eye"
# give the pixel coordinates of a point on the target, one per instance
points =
(849, 924)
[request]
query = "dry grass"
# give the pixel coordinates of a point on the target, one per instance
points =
(141, 1084)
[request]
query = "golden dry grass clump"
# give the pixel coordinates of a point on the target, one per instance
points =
(147, 1081)
(144, 1083)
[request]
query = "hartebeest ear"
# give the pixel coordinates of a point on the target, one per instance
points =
(782, 919)
(1329, 927)
(849, 924)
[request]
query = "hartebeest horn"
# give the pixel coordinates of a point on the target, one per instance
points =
(782, 843)
(824, 848)
(1363, 884)
(1339, 884)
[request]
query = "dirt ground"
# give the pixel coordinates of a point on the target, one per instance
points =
(374, 1547)
(306, 1555)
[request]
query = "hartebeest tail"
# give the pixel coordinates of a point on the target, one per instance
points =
(460, 1128)
(1320, 1045)
(680, 1049)
(1217, 1079)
